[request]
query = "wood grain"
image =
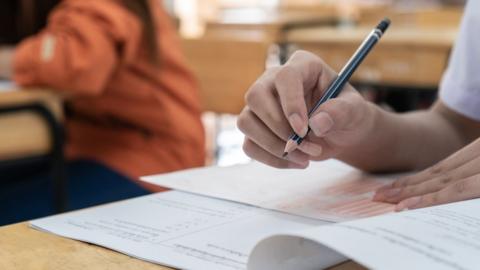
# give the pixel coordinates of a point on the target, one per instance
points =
(22, 247)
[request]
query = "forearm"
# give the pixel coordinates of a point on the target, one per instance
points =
(410, 141)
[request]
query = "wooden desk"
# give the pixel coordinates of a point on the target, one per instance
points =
(270, 23)
(25, 133)
(24, 248)
(407, 57)
(232, 53)
(226, 67)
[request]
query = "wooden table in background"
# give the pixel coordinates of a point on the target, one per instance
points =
(25, 133)
(409, 57)
(22, 247)
(232, 54)
(226, 66)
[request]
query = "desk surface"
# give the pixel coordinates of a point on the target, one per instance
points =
(25, 248)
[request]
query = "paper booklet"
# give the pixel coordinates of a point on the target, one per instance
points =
(442, 237)
(192, 231)
(328, 190)
(189, 231)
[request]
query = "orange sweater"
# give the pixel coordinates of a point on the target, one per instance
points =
(122, 111)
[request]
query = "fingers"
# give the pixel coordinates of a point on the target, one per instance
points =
(321, 124)
(256, 132)
(277, 104)
(347, 113)
(456, 162)
(395, 195)
(424, 183)
(298, 77)
(264, 104)
(465, 189)
(256, 152)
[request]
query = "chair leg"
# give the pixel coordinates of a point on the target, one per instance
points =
(59, 175)
(58, 160)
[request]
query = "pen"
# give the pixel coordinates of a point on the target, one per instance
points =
(337, 85)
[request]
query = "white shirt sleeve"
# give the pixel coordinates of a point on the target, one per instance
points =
(460, 87)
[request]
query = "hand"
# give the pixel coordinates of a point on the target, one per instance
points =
(278, 104)
(454, 179)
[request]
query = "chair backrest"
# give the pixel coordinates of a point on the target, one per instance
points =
(225, 67)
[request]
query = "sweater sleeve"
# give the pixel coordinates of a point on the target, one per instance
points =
(80, 49)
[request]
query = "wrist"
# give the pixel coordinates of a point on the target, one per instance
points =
(362, 153)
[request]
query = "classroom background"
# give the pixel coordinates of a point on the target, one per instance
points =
(229, 43)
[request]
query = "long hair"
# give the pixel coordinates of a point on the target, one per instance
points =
(22, 18)
(141, 9)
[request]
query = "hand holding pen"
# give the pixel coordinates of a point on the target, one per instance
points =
(338, 84)
(278, 102)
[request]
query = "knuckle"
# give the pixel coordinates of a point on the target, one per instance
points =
(435, 198)
(243, 122)
(410, 190)
(284, 72)
(460, 187)
(253, 95)
(435, 169)
(445, 179)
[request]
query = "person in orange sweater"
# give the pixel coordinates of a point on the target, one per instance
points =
(132, 106)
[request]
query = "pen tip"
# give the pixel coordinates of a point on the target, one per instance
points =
(289, 147)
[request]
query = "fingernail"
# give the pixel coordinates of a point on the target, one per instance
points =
(298, 124)
(408, 204)
(321, 124)
(292, 165)
(311, 149)
(297, 158)
(392, 192)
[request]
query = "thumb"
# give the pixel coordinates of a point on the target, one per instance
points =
(336, 114)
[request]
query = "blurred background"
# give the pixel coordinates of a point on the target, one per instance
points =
(229, 43)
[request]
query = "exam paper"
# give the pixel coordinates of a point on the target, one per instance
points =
(177, 229)
(445, 237)
(329, 190)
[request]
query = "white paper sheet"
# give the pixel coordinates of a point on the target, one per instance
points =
(177, 229)
(444, 237)
(327, 190)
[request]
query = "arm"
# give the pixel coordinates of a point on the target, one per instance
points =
(80, 48)
(412, 141)
(348, 127)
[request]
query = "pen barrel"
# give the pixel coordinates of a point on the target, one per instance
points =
(336, 86)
